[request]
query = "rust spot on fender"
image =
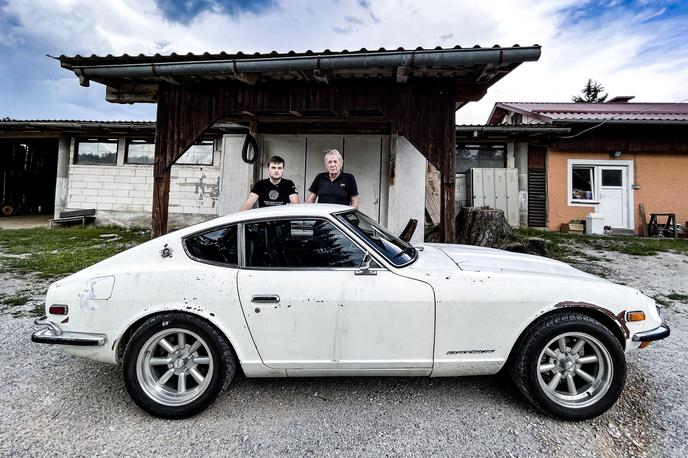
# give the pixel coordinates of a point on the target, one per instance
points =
(620, 319)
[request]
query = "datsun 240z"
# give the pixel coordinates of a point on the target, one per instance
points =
(323, 290)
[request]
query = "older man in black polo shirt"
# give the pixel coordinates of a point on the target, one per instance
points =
(274, 190)
(334, 186)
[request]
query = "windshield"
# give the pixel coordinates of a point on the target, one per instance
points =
(390, 246)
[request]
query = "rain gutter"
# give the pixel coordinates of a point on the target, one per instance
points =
(436, 59)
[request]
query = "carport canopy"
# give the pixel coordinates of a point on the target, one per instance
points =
(414, 93)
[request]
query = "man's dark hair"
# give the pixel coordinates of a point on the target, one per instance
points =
(275, 160)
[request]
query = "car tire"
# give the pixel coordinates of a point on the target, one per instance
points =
(570, 365)
(175, 365)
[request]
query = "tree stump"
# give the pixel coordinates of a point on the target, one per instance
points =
(482, 227)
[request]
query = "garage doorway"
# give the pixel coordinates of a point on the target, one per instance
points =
(28, 170)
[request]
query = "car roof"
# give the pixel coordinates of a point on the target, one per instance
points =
(277, 211)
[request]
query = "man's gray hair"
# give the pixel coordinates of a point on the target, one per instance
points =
(333, 152)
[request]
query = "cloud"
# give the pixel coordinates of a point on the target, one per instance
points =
(631, 47)
(345, 31)
(353, 20)
(185, 11)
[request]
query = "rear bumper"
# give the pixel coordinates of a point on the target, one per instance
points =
(661, 332)
(52, 334)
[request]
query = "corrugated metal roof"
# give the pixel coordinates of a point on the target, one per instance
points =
(595, 112)
(93, 59)
(75, 126)
(136, 78)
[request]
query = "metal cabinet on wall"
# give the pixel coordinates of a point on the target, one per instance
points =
(494, 188)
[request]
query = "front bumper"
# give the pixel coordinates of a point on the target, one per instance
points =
(661, 332)
(52, 334)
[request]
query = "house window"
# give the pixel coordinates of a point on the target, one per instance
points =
(480, 156)
(582, 183)
(200, 153)
(140, 151)
(96, 151)
(612, 178)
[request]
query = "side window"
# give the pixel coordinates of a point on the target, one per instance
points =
(218, 246)
(96, 151)
(305, 243)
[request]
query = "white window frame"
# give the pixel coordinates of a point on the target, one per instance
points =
(594, 188)
(597, 177)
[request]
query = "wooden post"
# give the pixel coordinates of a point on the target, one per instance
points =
(161, 200)
(447, 208)
(161, 172)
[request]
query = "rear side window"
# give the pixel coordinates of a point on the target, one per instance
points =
(218, 246)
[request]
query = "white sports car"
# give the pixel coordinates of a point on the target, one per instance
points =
(323, 290)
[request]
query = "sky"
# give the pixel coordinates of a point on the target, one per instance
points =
(635, 48)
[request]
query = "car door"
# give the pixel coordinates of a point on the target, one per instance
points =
(310, 312)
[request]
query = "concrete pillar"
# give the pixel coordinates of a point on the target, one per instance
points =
(521, 163)
(62, 181)
(236, 176)
(510, 156)
(407, 192)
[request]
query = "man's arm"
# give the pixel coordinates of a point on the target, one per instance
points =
(250, 201)
(294, 199)
(354, 201)
(311, 198)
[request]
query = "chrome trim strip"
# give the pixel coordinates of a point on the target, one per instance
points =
(53, 335)
(661, 332)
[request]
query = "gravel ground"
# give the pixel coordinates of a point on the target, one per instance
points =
(56, 404)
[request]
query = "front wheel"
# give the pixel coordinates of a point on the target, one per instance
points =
(570, 365)
(176, 365)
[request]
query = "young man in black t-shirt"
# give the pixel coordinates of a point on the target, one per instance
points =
(274, 190)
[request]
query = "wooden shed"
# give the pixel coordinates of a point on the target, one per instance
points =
(409, 93)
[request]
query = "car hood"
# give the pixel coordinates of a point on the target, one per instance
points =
(480, 259)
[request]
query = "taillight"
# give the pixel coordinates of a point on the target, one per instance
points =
(58, 309)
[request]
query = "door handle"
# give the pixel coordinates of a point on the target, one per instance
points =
(265, 298)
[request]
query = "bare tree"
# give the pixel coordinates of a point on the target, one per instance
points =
(592, 93)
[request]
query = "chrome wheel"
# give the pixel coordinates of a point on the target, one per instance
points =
(174, 367)
(575, 370)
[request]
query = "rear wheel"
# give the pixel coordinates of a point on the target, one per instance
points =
(176, 365)
(570, 365)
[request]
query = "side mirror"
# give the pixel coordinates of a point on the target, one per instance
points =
(364, 268)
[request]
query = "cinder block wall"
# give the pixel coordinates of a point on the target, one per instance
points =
(122, 194)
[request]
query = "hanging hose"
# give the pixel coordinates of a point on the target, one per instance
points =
(249, 141)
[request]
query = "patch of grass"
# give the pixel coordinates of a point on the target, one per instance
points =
(661, 300)
(57, 252)
(36, 311)
(13, 301)
(674, 296)
(562, 246)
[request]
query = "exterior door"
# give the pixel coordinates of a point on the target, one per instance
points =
(614, 196)
(309, 312)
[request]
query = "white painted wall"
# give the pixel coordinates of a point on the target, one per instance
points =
(236, 176)
(407, 193)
